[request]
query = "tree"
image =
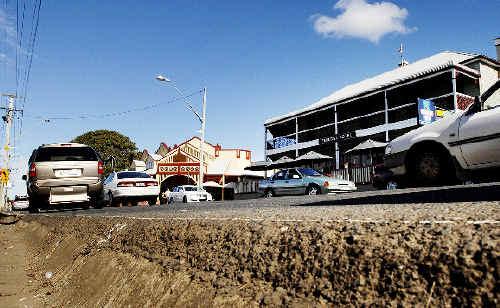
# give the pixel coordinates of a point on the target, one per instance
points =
(109, 143)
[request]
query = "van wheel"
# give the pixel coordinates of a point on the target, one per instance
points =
(313, 190)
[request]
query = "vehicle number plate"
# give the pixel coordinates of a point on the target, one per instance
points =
(68, 172)
(140, 184)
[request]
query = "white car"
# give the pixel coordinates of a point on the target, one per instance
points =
(131, 186)
(457, 146)
(188, 193)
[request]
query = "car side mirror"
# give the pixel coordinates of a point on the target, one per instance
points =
(24, 177)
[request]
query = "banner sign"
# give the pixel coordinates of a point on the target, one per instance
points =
(281, 142)
(337, 137)
(179, 168)
(426, 111)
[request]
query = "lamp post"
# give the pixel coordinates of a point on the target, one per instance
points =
(201, 118)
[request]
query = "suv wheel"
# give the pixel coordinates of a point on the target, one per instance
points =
(33, 205)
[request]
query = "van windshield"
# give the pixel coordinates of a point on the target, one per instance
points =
(66, 154)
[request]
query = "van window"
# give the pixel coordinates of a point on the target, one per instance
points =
(66, 154)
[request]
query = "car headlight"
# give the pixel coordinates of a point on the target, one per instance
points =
(388, 149)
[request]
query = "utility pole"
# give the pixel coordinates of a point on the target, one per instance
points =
(5, 170)
(202, 139)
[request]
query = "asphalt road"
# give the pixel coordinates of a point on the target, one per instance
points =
(476, 203)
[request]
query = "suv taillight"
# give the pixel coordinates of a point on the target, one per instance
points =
(32, 170)
(100, 167)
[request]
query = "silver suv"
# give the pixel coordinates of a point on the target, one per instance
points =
(64, 173)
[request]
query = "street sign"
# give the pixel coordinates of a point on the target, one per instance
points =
(4, 176)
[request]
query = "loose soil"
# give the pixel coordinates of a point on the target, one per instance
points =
(97, 261)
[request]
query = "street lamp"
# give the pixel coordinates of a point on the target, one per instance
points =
(201, 118)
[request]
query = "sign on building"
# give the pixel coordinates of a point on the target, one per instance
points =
(179, 168)
(337, 137)
(281, 142)
(426, 111)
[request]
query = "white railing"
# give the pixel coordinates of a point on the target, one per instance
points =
(357, 175)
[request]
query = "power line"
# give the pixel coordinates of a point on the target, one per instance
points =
(111, 114)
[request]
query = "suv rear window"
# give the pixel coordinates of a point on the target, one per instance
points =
(66, 154)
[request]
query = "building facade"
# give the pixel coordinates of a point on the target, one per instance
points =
(379, 108)
(180, 165)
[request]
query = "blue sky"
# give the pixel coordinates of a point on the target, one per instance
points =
(258, 59)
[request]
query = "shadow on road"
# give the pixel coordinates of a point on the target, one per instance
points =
(468, 193)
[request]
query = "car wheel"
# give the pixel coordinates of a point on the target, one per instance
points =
(112, 201)
(428, 168)
(152, 201)
(185, 200)
(313, 190)
(269, 193)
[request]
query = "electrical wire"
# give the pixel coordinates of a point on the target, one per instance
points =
(48, 119)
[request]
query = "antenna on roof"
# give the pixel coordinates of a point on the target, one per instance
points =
(402, 61)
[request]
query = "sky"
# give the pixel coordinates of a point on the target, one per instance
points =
(257, 59)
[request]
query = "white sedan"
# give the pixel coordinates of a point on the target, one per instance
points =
(189, 193)
(134, 186)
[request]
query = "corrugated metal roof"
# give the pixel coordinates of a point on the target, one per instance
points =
(414, 70)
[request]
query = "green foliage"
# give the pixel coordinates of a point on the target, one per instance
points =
(110, 143)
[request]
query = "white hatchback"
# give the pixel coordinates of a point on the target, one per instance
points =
(189, 193)
(131, 186)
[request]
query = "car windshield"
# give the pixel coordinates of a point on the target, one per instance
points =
(126, 175)
(66, 154)
(190, 188)
(309, 172)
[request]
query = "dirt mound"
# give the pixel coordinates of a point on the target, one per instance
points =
(146, 262)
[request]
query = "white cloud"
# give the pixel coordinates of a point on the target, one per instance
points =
(364, 20)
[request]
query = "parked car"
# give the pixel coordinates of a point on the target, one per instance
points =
(453, 148)
(300, 181)
(133, 186)
(188, 193)
(20, 203)
(64, 173)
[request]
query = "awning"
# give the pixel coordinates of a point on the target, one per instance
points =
(258, 165)
(313, 156)
(282, 162)
(366, 145)
(211, 184)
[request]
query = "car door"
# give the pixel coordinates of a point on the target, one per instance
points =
(479, 134)
(295, 183)
(277, 183)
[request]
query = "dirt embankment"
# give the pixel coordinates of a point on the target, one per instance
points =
(125, 261)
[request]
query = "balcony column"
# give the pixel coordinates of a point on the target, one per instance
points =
(454, 85)
(386, 117)
(296, 137)
(265, 149)
(337, 151)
